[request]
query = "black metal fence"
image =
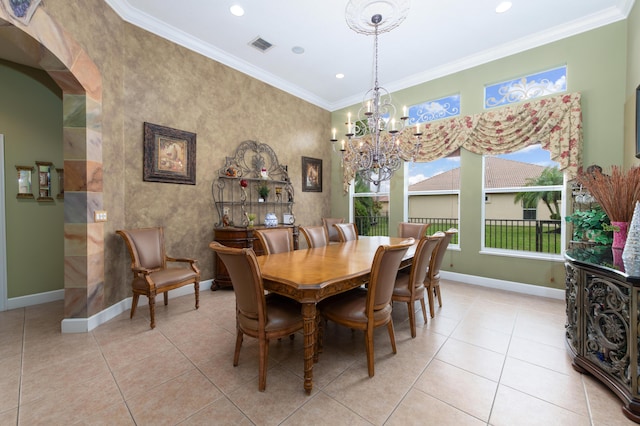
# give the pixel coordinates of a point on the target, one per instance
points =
(372, 225)
(438, 224)
(541, 236)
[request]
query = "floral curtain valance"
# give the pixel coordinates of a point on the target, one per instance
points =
(554, 122)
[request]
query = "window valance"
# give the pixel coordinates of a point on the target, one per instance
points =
(554, 122)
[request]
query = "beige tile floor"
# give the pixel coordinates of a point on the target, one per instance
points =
(488, 358)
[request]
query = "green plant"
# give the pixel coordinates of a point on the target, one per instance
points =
(592, 224)
(251, 216)
(263, 190)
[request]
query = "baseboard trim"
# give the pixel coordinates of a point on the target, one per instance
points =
(532, 290)
(34, 299)
(84, 325)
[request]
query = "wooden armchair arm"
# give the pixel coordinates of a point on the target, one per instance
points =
(192, 262)
(141, 270)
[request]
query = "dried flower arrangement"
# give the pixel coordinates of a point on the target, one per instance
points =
(616, 193)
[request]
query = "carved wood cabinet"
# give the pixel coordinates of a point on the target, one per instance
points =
(602, 323)
(239, 237)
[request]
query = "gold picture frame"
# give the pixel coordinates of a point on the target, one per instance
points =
(311, 174)
(24, 182)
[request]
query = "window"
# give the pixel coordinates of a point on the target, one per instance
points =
(527, 192)
(370, 207)
(434, 110)
(433, 192)
(527, 87)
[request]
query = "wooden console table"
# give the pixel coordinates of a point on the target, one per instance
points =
(602, 323)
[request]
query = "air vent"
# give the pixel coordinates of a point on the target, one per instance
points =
(261, 44)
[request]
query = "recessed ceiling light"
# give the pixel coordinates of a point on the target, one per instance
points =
(297, 50)
(340, 75)
(503, 7)
(236, 10)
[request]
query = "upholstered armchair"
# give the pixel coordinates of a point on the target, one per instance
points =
(263, 317)
(346, 231)
(367, 309)
(410, 287)
(414, 230)
(332, 232)
(316, 236)
(151, 274)
(275, 240)
(432, 280)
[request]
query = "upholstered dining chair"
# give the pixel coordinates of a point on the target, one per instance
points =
(275, 240)
(150, 272)
(258, 315)
(332, 232)
(410, 229)
(432, 280)
(346, 231)
(316, 236)
(410, 287)
(366, 309)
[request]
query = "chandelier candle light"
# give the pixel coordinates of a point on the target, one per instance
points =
(373, 148)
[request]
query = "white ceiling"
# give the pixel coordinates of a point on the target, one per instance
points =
(438, 37)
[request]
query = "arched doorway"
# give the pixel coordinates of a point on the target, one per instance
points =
(46, 44)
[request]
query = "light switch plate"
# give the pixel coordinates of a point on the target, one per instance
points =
(100, 216)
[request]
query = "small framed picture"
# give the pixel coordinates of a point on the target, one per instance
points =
(311, 174)
(169, 155)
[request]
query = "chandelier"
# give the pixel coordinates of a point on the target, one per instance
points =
(373, 148)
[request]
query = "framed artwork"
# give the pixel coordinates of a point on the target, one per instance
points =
(169, 155)
(44, 180)
(311, 174)
(24, 181)
(637, 122)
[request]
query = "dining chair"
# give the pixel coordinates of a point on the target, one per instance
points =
(275, 240)
(366, 309)
(432, 280)
(332, 232)
(410, 287)
(258, 315)
(346, 231)
(316, 236)
(151, 275)
(410, 229)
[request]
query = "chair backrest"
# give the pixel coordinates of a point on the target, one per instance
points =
(422, 258)
(384, 271)
(346, 231)
(276, 240)
(316, 236)
(146, 247)
(438, 255)
(244, 272)
(332, 232)
(415, 230)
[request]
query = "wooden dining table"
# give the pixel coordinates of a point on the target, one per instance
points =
(311, 275)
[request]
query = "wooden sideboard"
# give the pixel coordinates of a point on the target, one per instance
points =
(602, 323)
(239, 237)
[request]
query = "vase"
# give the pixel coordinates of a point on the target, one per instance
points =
(631, 253)
(619, 240)
(270, 220)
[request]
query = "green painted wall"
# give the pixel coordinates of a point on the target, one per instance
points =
(597, 67)
(31, 121)
(633, 81)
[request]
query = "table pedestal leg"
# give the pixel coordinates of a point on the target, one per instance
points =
(309, 316)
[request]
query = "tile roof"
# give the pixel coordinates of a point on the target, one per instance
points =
(500, 173)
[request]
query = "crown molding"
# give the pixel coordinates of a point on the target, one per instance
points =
(149, 23)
